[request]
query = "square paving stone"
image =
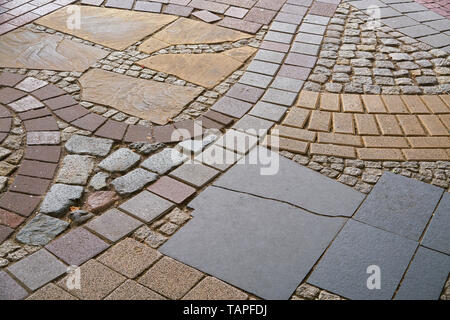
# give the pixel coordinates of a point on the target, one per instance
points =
(280, 97)
(195, 174)
(232, 107)
(312, 28)
(122, 4)
(43, 153)
(437, 235)
(172, 189)
(417, 31)
(263, 67)
(113, 225)
(253, 125)
(77, 246)
(22, 204)
(51, 292)
(10, 79)
(343, 268)
(400, 205)
(426, 276)
(261, 246)
(237, 141)
(268, 111)
(270, 56)
(291, 183)
(246, 93)
(30, 84)
(131, 290)
(309, 38)
(305, 48)
(399, 22)
(148, 6)
(37, 269)
(146, 206)
(10, 289)
(8, 95)
(218, 157)
(287, 84)
(278, 37)
(256, 80)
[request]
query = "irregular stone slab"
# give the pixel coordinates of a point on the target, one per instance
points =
(187, 31)
(120, 160)
(437, 236)
(89, 145)
(133, 181)
(164, 161)
(80, 216)
(150, 100)
(101, 200)
(261, 246)
(425, 277)
(39, 50)
(343, 268)
(75, 169)
(201, 69)
(98, 181)
(290, 182)
(400, 205)
(11, 290)
(60, 198)
(41, 230)
(146, 206)
(116, 29)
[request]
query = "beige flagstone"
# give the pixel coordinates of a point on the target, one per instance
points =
(205, 69)
(28, 49)
(187, 31)
(113, 28)
(151, 100)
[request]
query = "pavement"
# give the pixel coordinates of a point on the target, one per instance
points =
(235, 150)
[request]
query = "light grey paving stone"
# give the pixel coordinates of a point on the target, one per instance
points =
(400, 205)
(263, 67)
(417, 31)
(268, 111)
(306, 48)
(408, 7)
(437, 40)
(279, 97)
(146, 206)
(423, 16)
(218, 157)
(89, 145)
(387, 12)
(120, 160)
(292, 183)
(278, 37)
(195, 146)
(60, 198)
(238, 142)
(364, 4)
(37, 269)
(437, 235)
(256, 80)
(312, 28)
(113, 225)
(287, 84)
(270, 56)
(164, 160)
(261, 246)
(253, 125)
(315, 19)
(439, 25)
(133, 181)
(75, 169)
(399, 22)
(425, 277)
(30, 84)
(283, 27)
(10, 289)
(195, 174)
(41, 230)
(309, 38)
(148, 6)
(343, 269)
(98, 181)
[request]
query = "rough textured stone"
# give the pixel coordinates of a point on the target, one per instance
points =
(101, 200)
(120, 160)
(41, 230)
(133, 181)
(146, 206)
(60, 198)
(80, 216)
(164, 161)
(11, 290)
(75, 169)
(98, 181)
(88, 145)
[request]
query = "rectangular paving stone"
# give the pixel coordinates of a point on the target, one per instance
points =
(60, 102)
(305, 48)
(320, 121)
(10, 79)
(400, 205)
(329, 102)
(287, 84)
(425, 277)
(381, 154)
(417, 31)
(410, 125)
(238, 24)
(275, 46)
(317, 19)
(41, 124)
(178, 10)
(373, 103)
(112, 130)
(366, 125)
(242, 241)
(90, 122)
(343, 269)
(171, 189)
(312, 28)
(245, 93)
(301, 60)
(209, 5)
(437, 236)
(433, 125)
(436, 40)
(283, 27)
(37, 169)
(333, 151)
(351, 103)
(309, 38)
(269, 56)
(148, 6)
(318, 193)
(33, 114)
(280, 97)
(339, 139)
(263, 67)
(121, 4)
(408, 7)
(77, 246)
(113, 225)
(22, 204)
(72, 113)
(289, 18)
(253, 125)
(256, 80)
(294, 133)
(297, 117)
(8, 95)
(5, 232)
(385, 142)
(323, 9)
(43, 153)
(399, 22)
(425, 154)
(10, 289)
(10, 219)
(389, 125)
(268, 111)
(146, 206)
(30, 185)
(278, 37)
(218, 157)
(435, 104)
(299, 73)
(194, 174)
(236, 12)
(280, 143)
(206, 16)
(37, 269)
(260, 15)
(236, 141)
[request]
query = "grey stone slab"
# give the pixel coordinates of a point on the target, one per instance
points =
(10, 289)
(133, 181)
(287, 84)
(285, 180)
(268, 111)
(164, 161)
(253, 125)
(232, 107)
(437, 40)
(37, 269)
(423, 16)
(256, 80)
(270, 56)
(146, 206)
(306, 48)
(41, 230)
(263, 67)
(312, 18)
(75, 169)
(387, 12)
(60, 198)
(408, 7)
(113, 225)
(89, 145)
(309, 38)
(399, 22)
(400, 205)
(278, 37)
(437, 235)
(439, 25)
(426, 276)
(195, 174)
(283, 27)
(343, 269)
(99, 181)
(364, 4)
(261, 246)
(280, 97)
(312, 28)
(218, 157)
(417, 31)
(120, 160)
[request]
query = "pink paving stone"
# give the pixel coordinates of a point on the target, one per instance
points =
(11, 290)
(5, 17)
(178, 10)
(22, 204)
(43, 153)
(209, 5)
(236, 12)
(6, 27)
(60, 102)
(270, 4)
(206, 16)
(72, 113)
(172, 189)
(137, 133)
(90, 122)
(10, 79)
(294, 72)
(4, 112)
(275, 46)
(112, 130)
(22, 9)
(241, 25)
(260, 15)
(47, 92)
(10, 219)
(100, 201)
(244, 92)
(323, 9)
(301, 60)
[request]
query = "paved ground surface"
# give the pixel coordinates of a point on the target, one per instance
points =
(98, 168)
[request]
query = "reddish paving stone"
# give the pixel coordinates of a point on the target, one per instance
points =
(41, 124)
(100, 201)
(10, 219)
(8, 95)
(47, 92)
(5, 17)
(241, 25)
(246, 93)
(275, 46)
(237, 3)
(232, 107)
(33, 114)
(178, 10)
(11, 290)
(4, 112)
(206, 16)
(5, 124)
(43, 153)
(323, 9)
(136, 133)
(210, 124)
(209, 5)
(260, 15)
(60, 102)
(10, 79)
(165, 134)
(90, 122)
(172, 189)
(71, 113)
(37, 169)
(34, 186)
(294, 72)
(301, 60)
(218, 117)
(112, 130)
(24, 19)
(19, 203)
(5, 232)
(43, 137)
(6, 27)
(77, 246)
(189, 129)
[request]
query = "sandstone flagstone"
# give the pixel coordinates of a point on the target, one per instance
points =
(116, 29)
(150, 100)
(39, 50)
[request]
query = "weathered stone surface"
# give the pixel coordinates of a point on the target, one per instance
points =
(38, 50)
(41, 230)
(164, 161)
(201, 69)
(88, 145)
(119, 161)
(117, 29)
(98, 181)
(133, 181)
(101, 200)
(75, 169)
(80, 216)
(150, 100)
(60, 198)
